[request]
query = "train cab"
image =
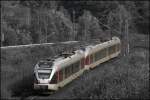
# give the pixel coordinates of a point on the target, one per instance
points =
(44, 75)
(56, 72)
(52, 74)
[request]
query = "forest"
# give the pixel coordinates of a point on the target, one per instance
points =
(30, 22)
(49, 23)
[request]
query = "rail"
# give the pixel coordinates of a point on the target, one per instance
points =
(30, 45)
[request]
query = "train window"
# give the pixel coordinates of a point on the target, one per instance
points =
(102, 53)
(112, 49)
(87, 60)
(45, 64)
(72, 69)
(69, 70)
(66, 72)
(76, 66)
(63, 71)
(118, 47)
(91, 58)
(54, 79)
(82, 63)
(96, 56)
(43, 75)
(60, 75)
(99, 53)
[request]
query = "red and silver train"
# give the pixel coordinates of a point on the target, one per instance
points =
(52, 74)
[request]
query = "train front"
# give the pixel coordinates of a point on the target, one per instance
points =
(44, 76)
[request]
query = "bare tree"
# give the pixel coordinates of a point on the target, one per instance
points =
(119, 20)
(124, 19)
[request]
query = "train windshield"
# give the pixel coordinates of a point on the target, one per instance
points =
(45, 64)
(44, 74)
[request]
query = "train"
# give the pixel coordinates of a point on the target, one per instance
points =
(54, 73)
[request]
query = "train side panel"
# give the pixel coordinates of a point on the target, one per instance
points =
(71, 72)
(109, 50)
(72, 67)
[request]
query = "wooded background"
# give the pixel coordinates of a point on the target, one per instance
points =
(29, 22)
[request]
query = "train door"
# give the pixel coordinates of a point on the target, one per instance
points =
(91, 58)
(60, 75)
(87, 60)
(82, 63)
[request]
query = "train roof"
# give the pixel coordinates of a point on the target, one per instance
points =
(65, 58)
(55, 60)
(91, 49)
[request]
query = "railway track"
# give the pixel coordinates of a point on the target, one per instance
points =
(33, 98)
(32, 45)
(30, 95)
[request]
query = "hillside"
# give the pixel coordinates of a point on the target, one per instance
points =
(17, 65)
(30, 22)
(122, 77)
(48, 24)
